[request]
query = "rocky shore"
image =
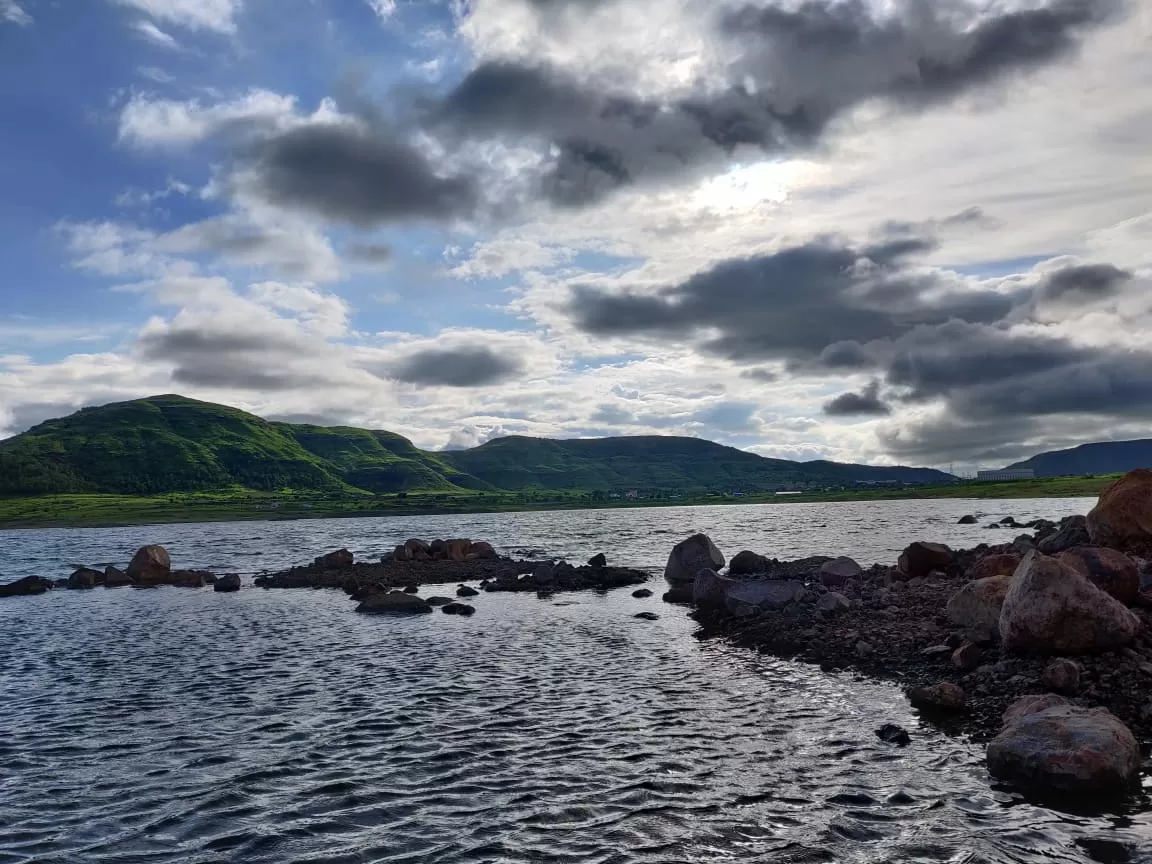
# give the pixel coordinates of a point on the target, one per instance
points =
(1042, 645)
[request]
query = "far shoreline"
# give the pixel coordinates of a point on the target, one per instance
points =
(120, 511)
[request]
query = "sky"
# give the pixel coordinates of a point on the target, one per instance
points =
(884, 231)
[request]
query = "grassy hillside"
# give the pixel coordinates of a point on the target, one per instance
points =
(1105, 457)
(170, 444)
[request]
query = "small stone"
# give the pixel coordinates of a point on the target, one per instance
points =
(1061, 675)
(863, 649)
(642, 593)
(890, 733)
(465, 591)
(943, 695)
(647, 616)
(936, 651)
(833, 604)
(966, 657)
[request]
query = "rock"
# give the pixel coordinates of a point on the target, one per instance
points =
(227, 584)
(967, 520)
(598, 560)
(338, 560)
(458, 609)
(439, 601)
(1111, 571)
(1024, 544)
(115, 578)
(400, 553)
(921, 558)
(544, 575)
(890, 733)
(966, 657)
(1073, 531)
(747, 563)
(1010, 522)
(1049, 745)
(685, 561)
(1052, 609)
(438, 549)
(417, 549)
(833, 604)
(977, 605)
(642, 593)
(411, 588)
(864, 649)
(59, 583)
(151, 565)
(944, 695)
(647, 616)
(29, 586)
(393, 603)
(1123, 515)
(762, 595)
(465, 591)
(937, 651)
(838, 571)
(1002, 564)
(188, 579)
(482, 550)
(84, 578)
(457, 550)
(710, 589)
(1061, 675)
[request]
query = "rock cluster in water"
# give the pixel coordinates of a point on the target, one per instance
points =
(1060, 615)
(151, 567)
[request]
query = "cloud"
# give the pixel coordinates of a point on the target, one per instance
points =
(1085, 282)
(374, 254)
(456, 367)
(384, 9)
(12, 12)
(215, 15)
(865, 403)
(155, 35)
(149, 122)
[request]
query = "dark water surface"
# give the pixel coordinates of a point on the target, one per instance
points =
(279, 726)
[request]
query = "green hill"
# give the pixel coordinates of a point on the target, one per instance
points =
(170, 444)
(1104, 457)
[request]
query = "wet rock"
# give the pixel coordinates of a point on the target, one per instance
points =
(978, 604)
(27, 587)
(227, 584)
(439, 601)
(188, 579)
(482, 550)
(1061, 675)
(458, 609)
(1049, 745)
(966, 657)
(999, 564)
(967, 520)
(833, 604)
(837, 572)
(687, 558)
(943, 696)
(763, 594)
(647, 616)
(393, 603)
(151, 565)
(457, 550)
(1111, 571)
(642, 593)
(1052, 609)
(84, 578)
(465, 591)
(598, 560)
(411, 588)
(921, 558)
(710, 589)
(400, 553)
(747, 563)
(115, 578)
(1073, 531)
(338, 560)
(890, 733)
(543, 575)
(59, 583)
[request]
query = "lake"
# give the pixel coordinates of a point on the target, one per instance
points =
(279, 726)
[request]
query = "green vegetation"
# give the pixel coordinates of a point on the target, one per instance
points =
(172, 459)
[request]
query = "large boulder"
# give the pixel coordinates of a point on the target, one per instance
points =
(921, 558)
(1123, 515)
(115, 578)
(1107, 569)
(227, 583)
(838, 571)
(747, 563)
(1051, 609)
(482, 550)
(1072, 532)
(1050, 745)
(85, 577)
(151, 565)
(26, 587)
(457, 550)
(977, 605)
(338, 560)
(393, 603)
(687, 559)
(1003, 564)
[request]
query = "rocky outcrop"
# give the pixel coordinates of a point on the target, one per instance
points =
(977, 606)
(151, 565)
(27, 587)
(835, 573)
(393, 603)
(115, 578)
(921, 558)
(1052, 609)
(1123, 515)
(747, 563)
(1111, 571)
(1050, 745)
(687, 559)
(227, 583)
(1072, 532)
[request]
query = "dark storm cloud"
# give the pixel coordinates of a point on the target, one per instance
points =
(353, 175)
(456, 367)
(865, 403)
(764, 376)
(1085, 282)
(369, 253)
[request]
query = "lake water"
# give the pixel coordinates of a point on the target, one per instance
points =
(279, 726)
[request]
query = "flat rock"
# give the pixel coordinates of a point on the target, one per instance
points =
(763, 594)
(393, 603)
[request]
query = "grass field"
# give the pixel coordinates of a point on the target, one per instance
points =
(107, 510)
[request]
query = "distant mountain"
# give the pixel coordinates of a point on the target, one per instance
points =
(174, 444)
(1105, 457)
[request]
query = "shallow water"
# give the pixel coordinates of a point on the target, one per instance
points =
(278, 726)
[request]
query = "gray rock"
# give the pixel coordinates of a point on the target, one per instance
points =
(764, 594)
(1073, 531)
(966, 657)
(747, 563)
(393, 603)
(227, 584)
(687, 559)
(1061, 675)
(439, 601)
(543, 575)
(465, 591)
(837, 572)
(978, 604)
(833, 604)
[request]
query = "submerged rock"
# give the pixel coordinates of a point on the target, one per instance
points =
(440, 601)
(227, 584)
(151, 565)
(27, 587)
(458, 609)
(890, 733)
(1048, 744)
(393, 603)
(85, 577)
(647, 616)
(687, 559)
(641, 593)
(465, 591)
(967, 520)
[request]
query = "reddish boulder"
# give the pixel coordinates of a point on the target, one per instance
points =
(85, 577)
(1123, 515)
(1003, 564)
(457, 550)
(482, 550)
(921, 558)
(151, 565)
(418, 550)
(1107, 569)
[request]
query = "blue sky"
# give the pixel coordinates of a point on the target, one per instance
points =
(458, 220)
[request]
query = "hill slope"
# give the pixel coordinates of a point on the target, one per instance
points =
(174, 444)
(1105, 457)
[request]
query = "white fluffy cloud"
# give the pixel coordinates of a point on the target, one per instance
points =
(13, 13)
(213, 15)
